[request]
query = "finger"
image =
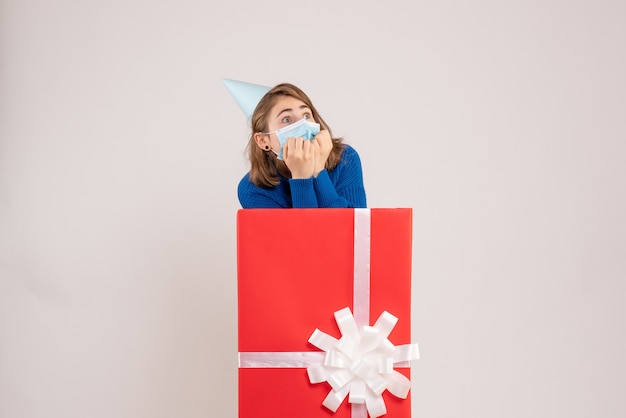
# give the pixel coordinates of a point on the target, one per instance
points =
(293, 146)
(301, 143)
(305, 145)
(323, 134)
(312, 148)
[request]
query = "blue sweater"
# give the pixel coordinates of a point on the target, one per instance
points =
(341, 187)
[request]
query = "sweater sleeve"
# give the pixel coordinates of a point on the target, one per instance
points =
(348, 190)
(303, 193)
(252, 197)
(294, 193)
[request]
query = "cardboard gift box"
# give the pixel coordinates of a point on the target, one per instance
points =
(297, 268)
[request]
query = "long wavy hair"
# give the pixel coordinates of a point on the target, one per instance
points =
(264, 166)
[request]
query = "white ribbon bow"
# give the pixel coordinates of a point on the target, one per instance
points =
(360, 364)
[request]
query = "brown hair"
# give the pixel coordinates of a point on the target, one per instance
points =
(264, 166)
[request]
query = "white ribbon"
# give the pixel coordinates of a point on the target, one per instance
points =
(360, 365)
(361, 298)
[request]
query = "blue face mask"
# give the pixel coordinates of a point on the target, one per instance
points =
(302, 128)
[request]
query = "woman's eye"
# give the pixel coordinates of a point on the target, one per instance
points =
(306, 116)
(286, 119)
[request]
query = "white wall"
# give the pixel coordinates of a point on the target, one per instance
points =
(500, 123)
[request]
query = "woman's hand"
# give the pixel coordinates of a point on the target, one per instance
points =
(299, 156)
(323, 145)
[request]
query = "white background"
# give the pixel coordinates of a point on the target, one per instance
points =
(501, 123)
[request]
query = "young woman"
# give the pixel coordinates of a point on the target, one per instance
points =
(295, 161)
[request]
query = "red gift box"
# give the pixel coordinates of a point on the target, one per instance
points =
(296, 268)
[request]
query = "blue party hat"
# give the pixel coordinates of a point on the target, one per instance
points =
(246, 95)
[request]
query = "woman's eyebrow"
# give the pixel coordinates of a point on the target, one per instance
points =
(283, 111)
(291, 110)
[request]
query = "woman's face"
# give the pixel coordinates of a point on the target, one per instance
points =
(286, 110)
